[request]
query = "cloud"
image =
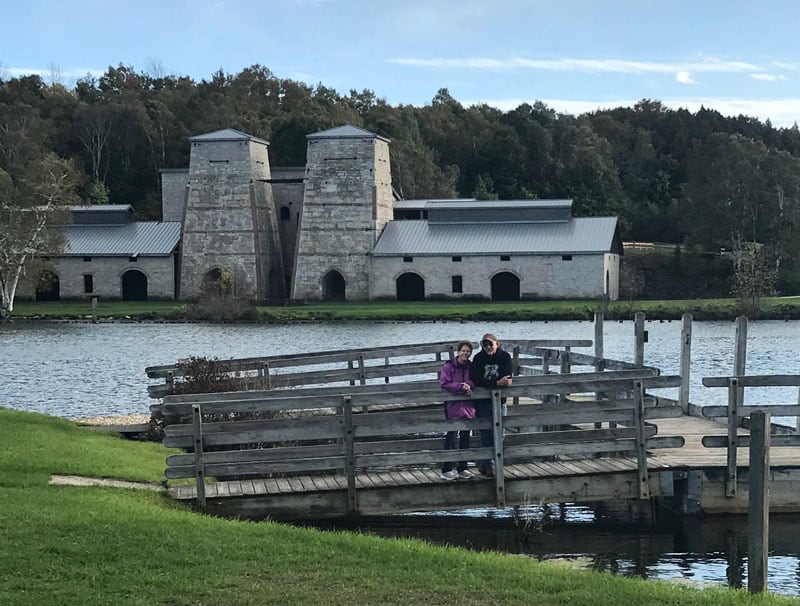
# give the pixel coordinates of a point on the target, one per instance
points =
(580, 65)
(684, 78)
(782, 113)
(768, 77)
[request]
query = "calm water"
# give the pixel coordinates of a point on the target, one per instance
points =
(76, 370)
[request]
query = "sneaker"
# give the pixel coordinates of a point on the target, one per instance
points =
(449, 475)
(465, 474)
(488, 470)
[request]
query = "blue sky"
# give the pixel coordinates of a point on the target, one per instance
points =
(735, 56)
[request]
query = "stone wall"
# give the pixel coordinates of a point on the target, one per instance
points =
(173, 193)
(541, 276)
(230, 219)
(288, 197)
(347, 201)
(107, 276)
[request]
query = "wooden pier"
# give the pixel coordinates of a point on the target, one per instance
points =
(366, 440)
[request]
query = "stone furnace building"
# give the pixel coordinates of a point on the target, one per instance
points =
(333, 230)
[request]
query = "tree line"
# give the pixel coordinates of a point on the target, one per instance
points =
(702, 180)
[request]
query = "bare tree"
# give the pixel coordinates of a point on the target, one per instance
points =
(28, 210)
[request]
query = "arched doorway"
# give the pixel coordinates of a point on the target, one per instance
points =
(333, 286)
(505, 287)
(410, 287)
(218, 282)
(134, 286)
(48, 286)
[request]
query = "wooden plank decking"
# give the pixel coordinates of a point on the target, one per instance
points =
(584, 479)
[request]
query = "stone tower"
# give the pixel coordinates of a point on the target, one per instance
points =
(346, 203)
(230, 238)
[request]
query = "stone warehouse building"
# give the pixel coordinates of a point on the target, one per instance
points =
(333, 230)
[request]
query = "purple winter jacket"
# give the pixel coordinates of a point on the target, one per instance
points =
(451, 377)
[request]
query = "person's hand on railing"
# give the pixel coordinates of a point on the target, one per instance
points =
(504, 381)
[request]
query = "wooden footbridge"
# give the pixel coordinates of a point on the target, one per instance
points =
(360, 432)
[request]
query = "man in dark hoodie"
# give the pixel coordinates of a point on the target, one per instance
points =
(491, 368)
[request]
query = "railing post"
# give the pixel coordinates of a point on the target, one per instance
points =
(740, 354)
(515, 370)
(362, 376)
(641, 442)
(686, 361)
(170, 381)
(266, 374)
(497, 429)
(386, 365)
(199, 465)
(350, 368)
(599, 360)
(733, 425)
(598, 335)
(638, 332)
(758, 506)
(564, 370)
(349, 455)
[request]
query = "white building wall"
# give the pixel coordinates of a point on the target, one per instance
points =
(107, 276)
(612, 270)
(541, 276)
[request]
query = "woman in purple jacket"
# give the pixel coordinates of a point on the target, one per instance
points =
(454, 377)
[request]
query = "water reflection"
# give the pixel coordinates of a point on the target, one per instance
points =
(704, 551)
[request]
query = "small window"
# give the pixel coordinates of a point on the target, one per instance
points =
(87, 259)
(88, 284)
(456, 259)
(457, 284)
(286, 214)
(566, 257)
(408, 259)
(133, 259)
(505, 257)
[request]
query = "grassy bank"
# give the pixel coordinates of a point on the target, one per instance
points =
(90, 545)
(787, 308)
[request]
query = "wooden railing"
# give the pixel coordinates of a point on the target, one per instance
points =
(320, 431)
(395, 363)
(737, 415)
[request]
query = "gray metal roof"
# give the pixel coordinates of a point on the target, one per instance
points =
(145, 238)
(227, 134)
(581, 235)
(348, 131)
(421, 204)
(497, 204)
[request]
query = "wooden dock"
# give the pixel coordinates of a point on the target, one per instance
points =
(354, 447)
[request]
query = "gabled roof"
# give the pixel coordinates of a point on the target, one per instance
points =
(348, 131)
(145, 238)
(227, 134)
(581, 235)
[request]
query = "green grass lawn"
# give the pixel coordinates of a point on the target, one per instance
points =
(702, 309)
(91, 545)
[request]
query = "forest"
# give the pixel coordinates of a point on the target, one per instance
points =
(707, 182)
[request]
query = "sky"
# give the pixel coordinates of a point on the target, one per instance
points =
(735, 56)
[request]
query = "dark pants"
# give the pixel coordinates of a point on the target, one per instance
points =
(450, 444)
(483, 408)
